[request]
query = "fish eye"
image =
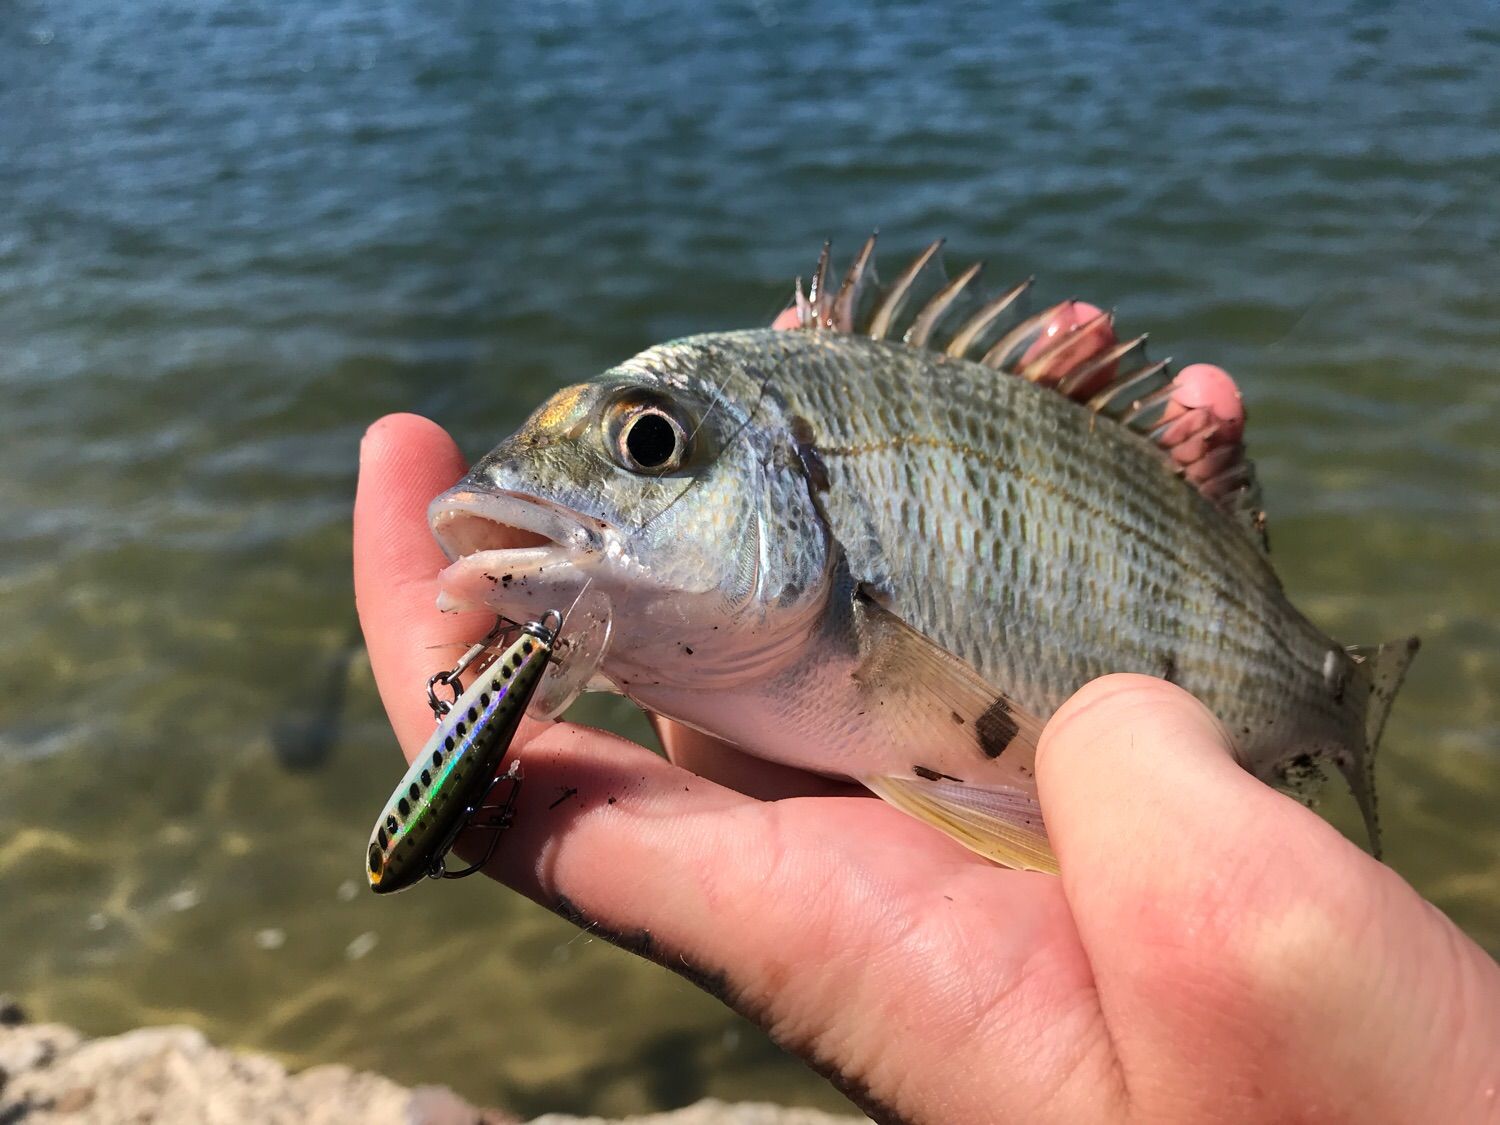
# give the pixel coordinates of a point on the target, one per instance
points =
(649, 439)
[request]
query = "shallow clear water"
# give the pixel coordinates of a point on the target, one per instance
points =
(233, 234)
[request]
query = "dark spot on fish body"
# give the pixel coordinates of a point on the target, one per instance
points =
(1300, 771)
(1169, 668)
(996, 729)
(805, 443)
(687, 650)
(956, 717)
(928, 774)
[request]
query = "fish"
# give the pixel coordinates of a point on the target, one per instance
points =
(454, 772)
(886, 544)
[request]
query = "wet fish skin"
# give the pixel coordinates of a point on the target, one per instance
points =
(839, 487)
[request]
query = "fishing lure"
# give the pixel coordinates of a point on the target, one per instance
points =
(453, 780)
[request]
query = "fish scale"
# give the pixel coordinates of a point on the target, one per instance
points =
(1177, 558)
(845, 552)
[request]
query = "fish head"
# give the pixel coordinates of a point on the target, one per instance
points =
(671, 486)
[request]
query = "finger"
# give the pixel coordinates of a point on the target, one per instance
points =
(1139, 784)
(1202, 386)
(405, 461)
(1186, 878)
(731, 767)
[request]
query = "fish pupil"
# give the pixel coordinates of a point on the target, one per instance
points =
(651, 440)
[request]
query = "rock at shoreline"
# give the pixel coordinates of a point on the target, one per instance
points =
(52, 1075)
(712, 1112)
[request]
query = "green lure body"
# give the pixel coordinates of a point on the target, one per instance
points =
(454, 771)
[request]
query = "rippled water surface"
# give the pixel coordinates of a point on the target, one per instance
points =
(231, 234)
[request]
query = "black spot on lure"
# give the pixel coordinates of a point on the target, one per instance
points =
(451, 781)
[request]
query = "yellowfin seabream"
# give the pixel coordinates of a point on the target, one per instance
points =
(878, 547)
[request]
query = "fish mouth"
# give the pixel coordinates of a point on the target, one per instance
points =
(503, 544)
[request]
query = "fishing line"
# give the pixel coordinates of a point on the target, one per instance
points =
(749, 417)
(1381, 248)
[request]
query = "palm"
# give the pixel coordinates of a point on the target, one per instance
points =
(1178, 968)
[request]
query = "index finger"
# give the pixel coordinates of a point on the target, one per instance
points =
(404, 461)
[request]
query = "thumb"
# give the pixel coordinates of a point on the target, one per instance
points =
(1240, 944)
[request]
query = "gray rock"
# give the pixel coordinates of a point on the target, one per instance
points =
(711, 1112)
(52, 1075)
(172, 1075)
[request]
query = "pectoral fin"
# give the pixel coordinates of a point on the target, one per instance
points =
(973, 749)
(999, 824)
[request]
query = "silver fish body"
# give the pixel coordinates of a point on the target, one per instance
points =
(848, 538)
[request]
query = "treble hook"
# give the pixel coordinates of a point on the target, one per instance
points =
(499, 820)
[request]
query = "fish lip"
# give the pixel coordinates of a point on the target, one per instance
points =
(452, 518)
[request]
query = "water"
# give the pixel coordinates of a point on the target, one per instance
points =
(235, 233)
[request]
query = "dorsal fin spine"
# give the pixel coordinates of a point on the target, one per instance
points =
(1127, 388)
(1119, 383)
(1014, 343)
(847, 301)
(1146, 411)
(1040, 364)
(817, 294)
(890, 304)
(934, 310)
(976, 326)
(1075, 383)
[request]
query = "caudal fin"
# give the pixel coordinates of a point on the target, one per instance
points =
(1381, 669)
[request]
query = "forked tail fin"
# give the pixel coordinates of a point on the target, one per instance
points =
(1381, 668)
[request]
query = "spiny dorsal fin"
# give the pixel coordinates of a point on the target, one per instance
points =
(1082, 361)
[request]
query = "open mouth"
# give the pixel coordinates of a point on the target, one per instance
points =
(468, 523)
(511, 553)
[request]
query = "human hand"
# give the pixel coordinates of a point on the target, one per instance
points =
(1211, 950)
